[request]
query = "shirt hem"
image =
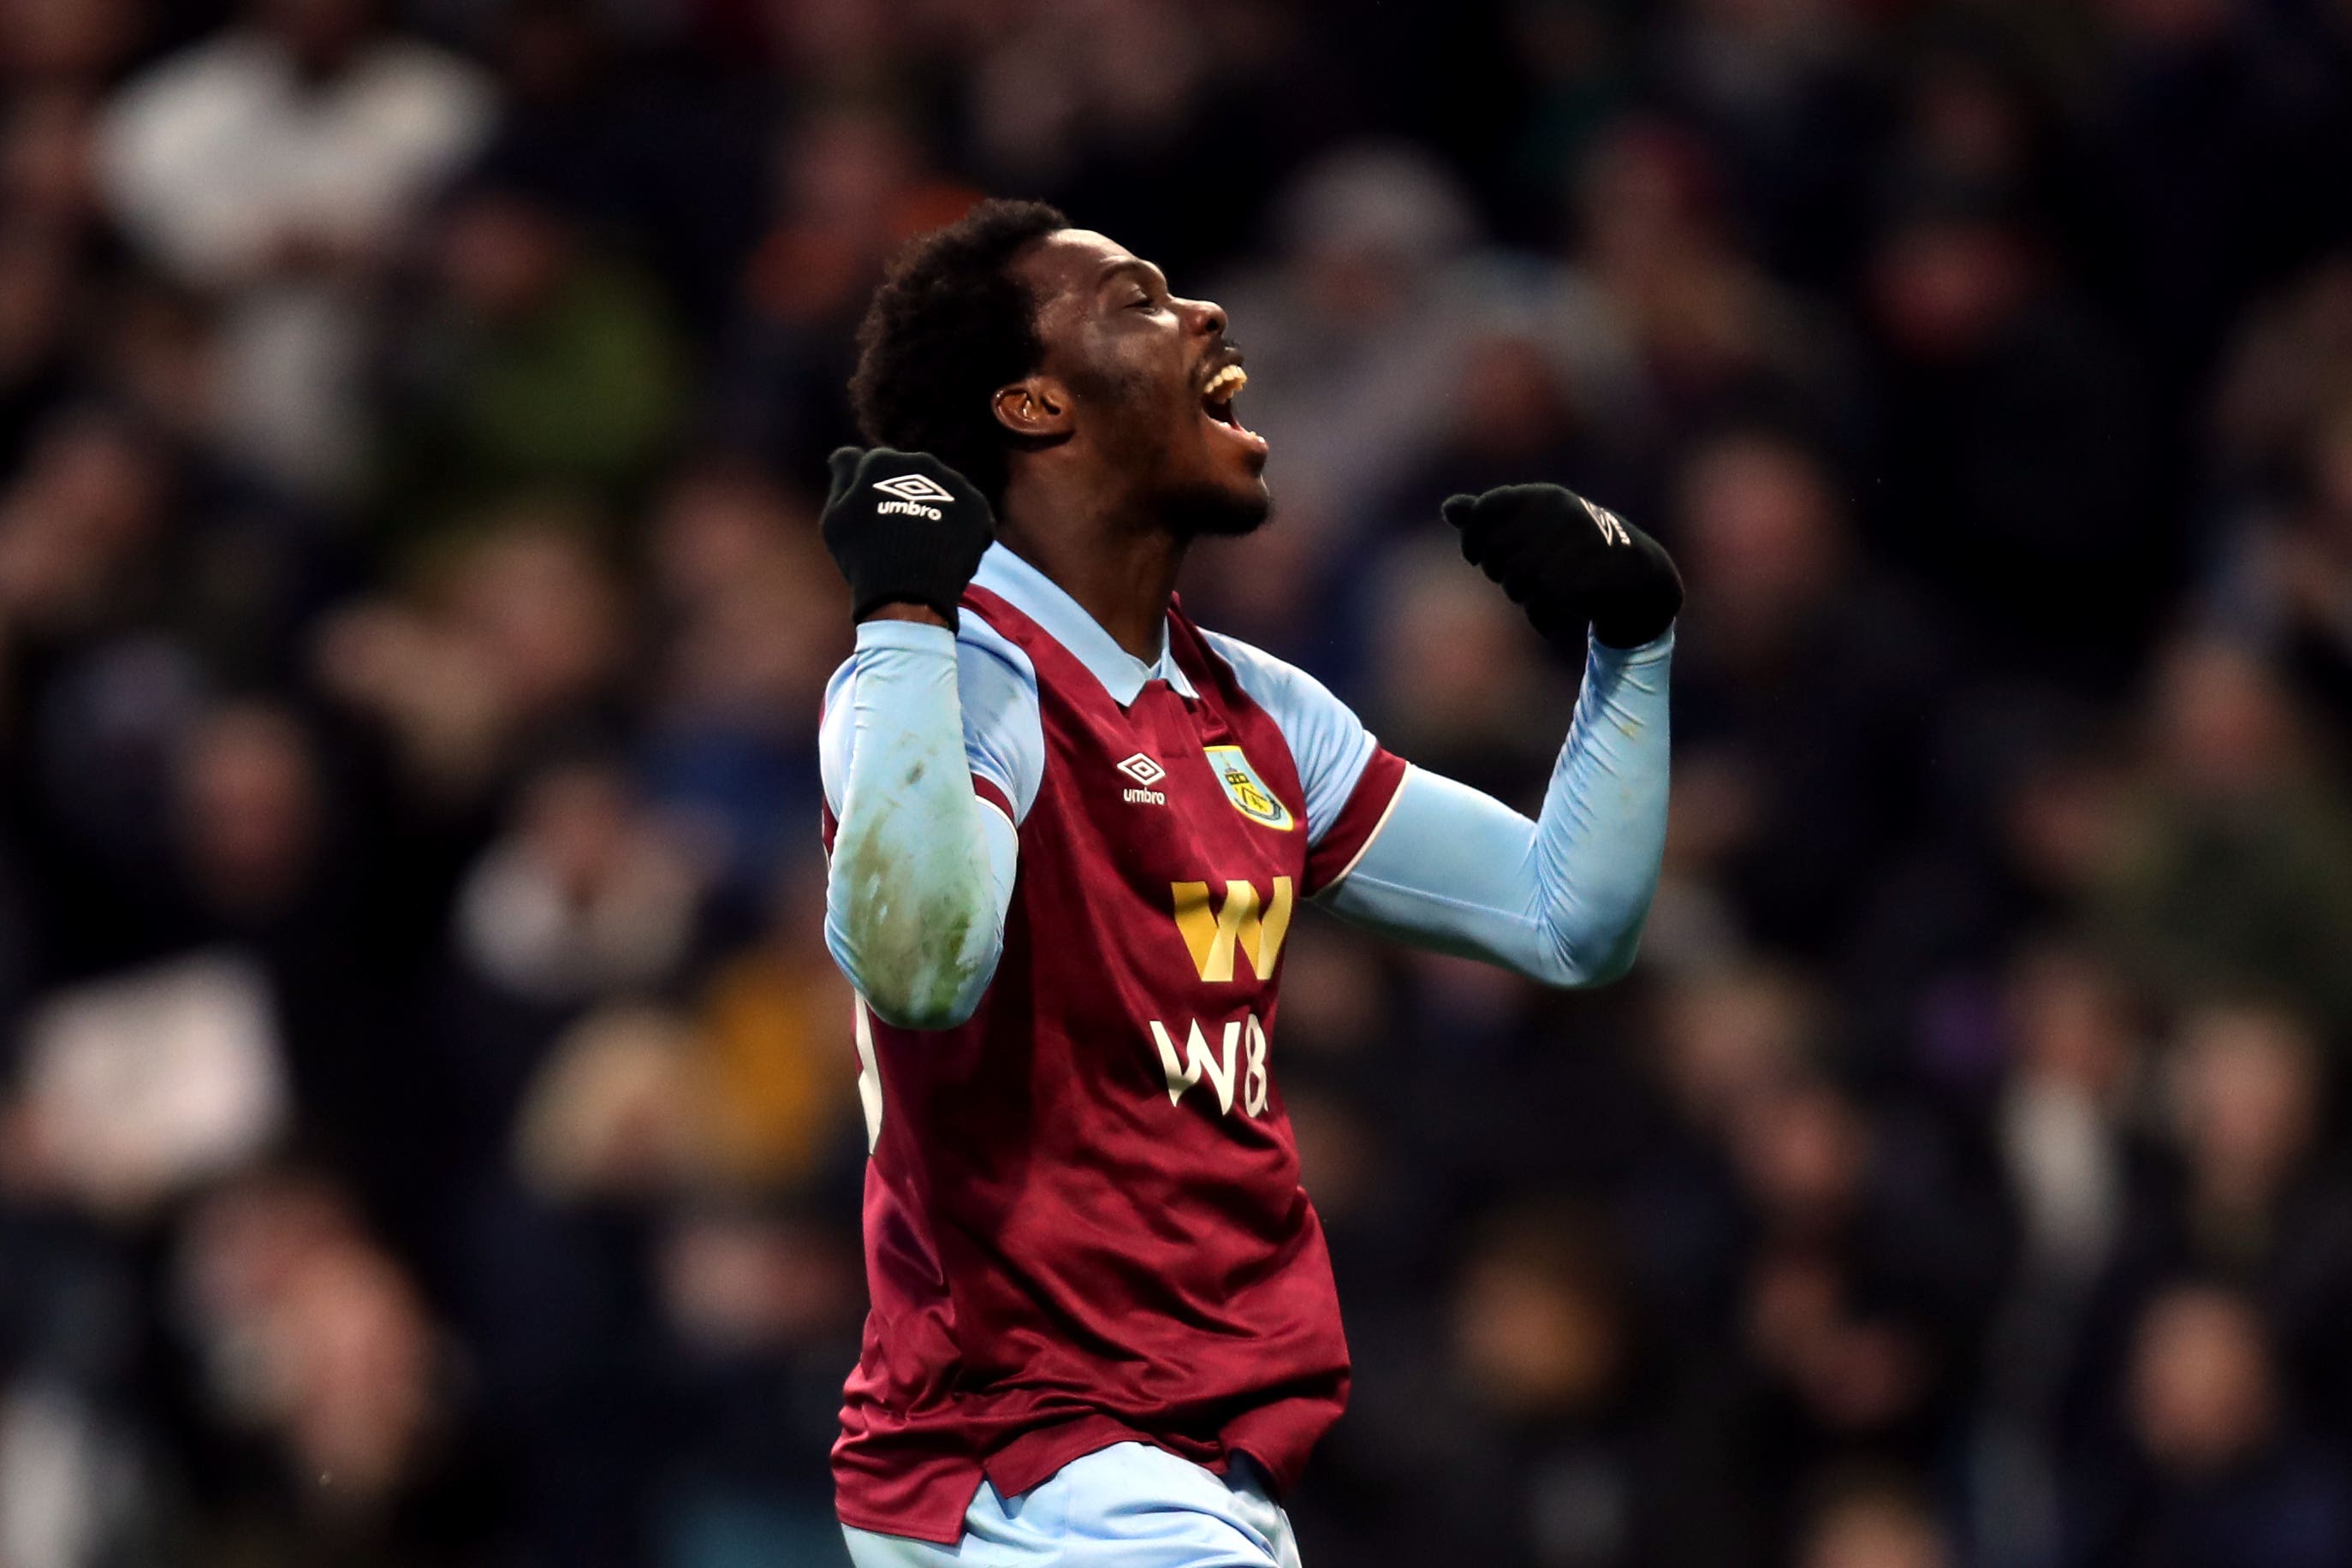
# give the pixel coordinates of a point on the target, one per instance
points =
(901, 1532)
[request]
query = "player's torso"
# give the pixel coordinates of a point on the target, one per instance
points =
(1105, 1138)
(1083, 1205)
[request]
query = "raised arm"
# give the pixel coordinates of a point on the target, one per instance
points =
(1561, 898)
(922, 864)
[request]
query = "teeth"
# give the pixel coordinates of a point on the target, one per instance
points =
(1225, 385)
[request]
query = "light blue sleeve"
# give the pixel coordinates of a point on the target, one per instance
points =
(1003, 734)
(1327, 742)
(1562, 898)
(997, 701)
(922, 866)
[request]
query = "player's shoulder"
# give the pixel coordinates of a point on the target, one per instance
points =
(982, 648)
(1328, 744)
(985, 657)
(996, 690)
(1274, 684)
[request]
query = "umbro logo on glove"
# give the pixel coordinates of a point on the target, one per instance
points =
(918, 546)
(1612, 526)
(913, 496)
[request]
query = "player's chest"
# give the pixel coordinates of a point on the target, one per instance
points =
(1168, 790)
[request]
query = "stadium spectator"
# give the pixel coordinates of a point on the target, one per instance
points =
(535, 370)
(274, 165)
(2260, 1203)
(2228, 1474)
(1809, 673)
(2236, 868)
(323, 1389)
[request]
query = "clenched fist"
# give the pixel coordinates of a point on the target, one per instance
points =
(904, 528)
(1568, 562)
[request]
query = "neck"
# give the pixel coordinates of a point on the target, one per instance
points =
(1121, 570)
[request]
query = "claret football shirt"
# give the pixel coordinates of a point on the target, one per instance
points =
(1083, 1219)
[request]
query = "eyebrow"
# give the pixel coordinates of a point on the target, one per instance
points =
(1135, 264)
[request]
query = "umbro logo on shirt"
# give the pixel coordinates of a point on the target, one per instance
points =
(913, 495)
(1145, 772)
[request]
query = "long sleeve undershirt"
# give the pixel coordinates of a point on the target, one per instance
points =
(923, 868)
(1561, 898)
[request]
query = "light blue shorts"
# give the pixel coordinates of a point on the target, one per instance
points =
(1128, 1506)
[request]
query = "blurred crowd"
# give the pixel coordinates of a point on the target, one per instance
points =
(427, 1125)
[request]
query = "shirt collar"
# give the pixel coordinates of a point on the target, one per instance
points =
(1042, 599)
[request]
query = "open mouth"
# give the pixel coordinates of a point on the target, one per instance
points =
(1217, 396)
(1217, 403)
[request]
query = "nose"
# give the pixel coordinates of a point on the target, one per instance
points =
(1206, 317)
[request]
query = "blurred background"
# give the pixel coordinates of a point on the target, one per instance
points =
(427, 1131)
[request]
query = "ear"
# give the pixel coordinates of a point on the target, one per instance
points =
(1036, 408)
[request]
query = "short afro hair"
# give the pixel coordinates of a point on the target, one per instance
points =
(950, 324)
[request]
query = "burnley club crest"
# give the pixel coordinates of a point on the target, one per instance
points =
(1247, 790)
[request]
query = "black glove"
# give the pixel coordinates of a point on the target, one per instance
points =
(904, 528)
(1566, 562)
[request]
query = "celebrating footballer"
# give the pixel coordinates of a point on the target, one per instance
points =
(1069, 832)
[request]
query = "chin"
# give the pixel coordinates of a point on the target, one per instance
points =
(1219, 511)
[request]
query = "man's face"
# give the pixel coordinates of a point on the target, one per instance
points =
(1151, 380)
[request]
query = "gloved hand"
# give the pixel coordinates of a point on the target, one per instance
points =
(1568, 562)
(904, 528)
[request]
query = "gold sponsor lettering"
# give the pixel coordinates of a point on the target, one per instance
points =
(1211, 935)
